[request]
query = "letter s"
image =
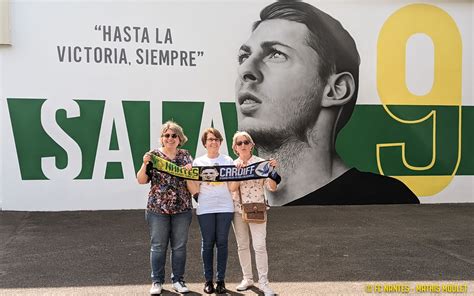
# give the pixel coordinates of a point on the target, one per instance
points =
(51, 127)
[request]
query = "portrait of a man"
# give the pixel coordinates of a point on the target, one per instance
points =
(297, 85)
(209, 174)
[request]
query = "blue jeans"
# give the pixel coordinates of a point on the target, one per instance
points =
(163, 229)
(214, 231)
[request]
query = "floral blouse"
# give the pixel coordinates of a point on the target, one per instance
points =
(250, 190)
(169, 194)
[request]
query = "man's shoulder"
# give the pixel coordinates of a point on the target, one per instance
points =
(357, 188)
(379, 183)
(368, 177)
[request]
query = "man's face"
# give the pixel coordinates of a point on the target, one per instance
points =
(278, 89)
(209, 174)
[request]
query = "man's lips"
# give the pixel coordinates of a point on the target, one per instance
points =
(244, 98)
(248, 103)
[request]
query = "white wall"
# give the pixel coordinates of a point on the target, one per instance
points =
(31, 68)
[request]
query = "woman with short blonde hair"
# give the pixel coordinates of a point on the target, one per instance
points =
(250, 191)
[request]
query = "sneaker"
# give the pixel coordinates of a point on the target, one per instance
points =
(180, 287)
(267, 291)
(220, 287)
(155, 288)
(244, 285)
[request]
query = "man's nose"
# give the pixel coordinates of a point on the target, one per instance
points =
(249, 71)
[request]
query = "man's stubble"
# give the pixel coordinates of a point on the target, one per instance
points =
(282, 141)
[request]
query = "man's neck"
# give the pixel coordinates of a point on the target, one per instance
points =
(304, 168)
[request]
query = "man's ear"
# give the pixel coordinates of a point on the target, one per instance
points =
(339, 89)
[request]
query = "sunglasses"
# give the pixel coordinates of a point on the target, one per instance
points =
(174, 136)
(242, 142)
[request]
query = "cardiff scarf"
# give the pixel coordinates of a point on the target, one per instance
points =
(222, 173)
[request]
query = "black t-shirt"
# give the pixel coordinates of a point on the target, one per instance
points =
(359, 188)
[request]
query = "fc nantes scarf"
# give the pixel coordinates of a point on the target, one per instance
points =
(223, 173)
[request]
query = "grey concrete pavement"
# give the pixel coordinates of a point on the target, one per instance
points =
(313, 250)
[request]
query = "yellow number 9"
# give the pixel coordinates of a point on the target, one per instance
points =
(446, 90)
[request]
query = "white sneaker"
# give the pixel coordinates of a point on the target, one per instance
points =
(155, 288)
(180, 287)
(267, 291)
(244, 285)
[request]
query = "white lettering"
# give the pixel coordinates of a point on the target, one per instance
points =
(250, 170)
(214, 118)
(113, 114)
(51, 127)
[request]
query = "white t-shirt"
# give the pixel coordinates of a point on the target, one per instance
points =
(214, 197)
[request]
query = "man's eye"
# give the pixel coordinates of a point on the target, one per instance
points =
(242, 57)
(277, 56)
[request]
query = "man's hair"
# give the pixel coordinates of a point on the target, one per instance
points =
(209, 168)
(335, 47)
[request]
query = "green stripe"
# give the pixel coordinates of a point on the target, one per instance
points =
(371, 125)
(188, 115)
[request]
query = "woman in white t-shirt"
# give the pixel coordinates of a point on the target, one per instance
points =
(215, 211)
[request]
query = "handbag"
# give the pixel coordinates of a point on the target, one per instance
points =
(255, 212)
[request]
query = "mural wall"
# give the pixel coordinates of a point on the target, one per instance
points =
(85, 86)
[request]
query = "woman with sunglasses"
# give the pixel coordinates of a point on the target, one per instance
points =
(169, 208)
(215, 211)
(251, 191)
